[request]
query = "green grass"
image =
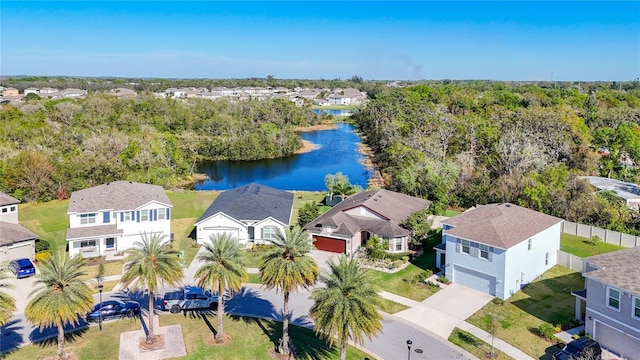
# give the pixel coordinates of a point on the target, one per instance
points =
(49, 220)
(110, 268)
(302, 197)
(395, 282)
(474, 345)
(254, 279)
(548, 299)
(252, 339)
(254, 256)
(451, 213)
(391, 307)
(582, 247)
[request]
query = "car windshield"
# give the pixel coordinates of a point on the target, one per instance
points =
(572, 349)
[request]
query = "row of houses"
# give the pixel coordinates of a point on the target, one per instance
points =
(348, 96)
(497, 249)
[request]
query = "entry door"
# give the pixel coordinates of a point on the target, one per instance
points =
(251, 230)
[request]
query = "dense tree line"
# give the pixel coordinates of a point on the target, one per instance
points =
(49, 148)
(461, 145)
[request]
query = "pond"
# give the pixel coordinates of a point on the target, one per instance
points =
(334, 112)
(337, 152)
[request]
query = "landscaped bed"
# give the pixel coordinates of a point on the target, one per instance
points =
(400, 283)
(582, 247)
(546, 300)
(252, 339)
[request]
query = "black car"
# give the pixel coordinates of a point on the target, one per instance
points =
(582, 348)
(22, 268)
(114, 308)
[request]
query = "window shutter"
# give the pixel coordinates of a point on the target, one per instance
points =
(155, 214)
(458, 246)
(138, 216)
(168, 213)
(106, 217)
(474, 249)
(490, 254)
(122, 216)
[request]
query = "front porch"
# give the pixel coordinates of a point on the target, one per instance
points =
(441, 252)
(581, 297)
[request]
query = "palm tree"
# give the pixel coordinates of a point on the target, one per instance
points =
(64, 296)
(286, 268)
(7, 303)
(223, 269)
(151, 261)
(345, 308)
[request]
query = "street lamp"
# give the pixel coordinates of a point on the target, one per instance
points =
(100, 310)
(409, 343)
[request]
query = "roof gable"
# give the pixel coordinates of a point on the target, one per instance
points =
(619, 268)
(14, 233)
(7, 200)
(117, 195)
(500, 225)
(252, 202)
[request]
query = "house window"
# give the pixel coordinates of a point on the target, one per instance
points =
(87, 218)
(613, 298)
(13, 208)
(87, 243)
(398, 244)
(144, 215)
(546, 259)
(4, 210)
(161, 214)
(484, 251)
(269, 232)
(127, 216)
(110, 243)
(636, 308)
(466, 247)
(529, 244)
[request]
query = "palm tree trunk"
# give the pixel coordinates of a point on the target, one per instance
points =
(343, 349)
(151, 337)
(220, 311)
(284, 340)
(61, 353)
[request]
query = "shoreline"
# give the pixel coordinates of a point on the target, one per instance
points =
(330, 126)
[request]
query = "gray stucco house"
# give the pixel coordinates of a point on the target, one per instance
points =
(612, 296)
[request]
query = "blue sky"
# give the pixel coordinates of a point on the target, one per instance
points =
(504, 40)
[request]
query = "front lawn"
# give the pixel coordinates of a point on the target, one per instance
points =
(582, 247)
(547, 299)
(474, 345)
(396, 282)
(252, 339)
(302, 197)
(49, 220)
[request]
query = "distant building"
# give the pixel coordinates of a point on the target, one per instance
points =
(629, 192)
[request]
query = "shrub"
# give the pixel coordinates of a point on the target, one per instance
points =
(405, 259)
(397, 263)
(42, 245)
(547, 331)
(443, 279)
(42, 256)
(398, 256)
(595, 240)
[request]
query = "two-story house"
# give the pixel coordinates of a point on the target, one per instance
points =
(110, 218)
(498, 248)
(16, 241)
(612, 295)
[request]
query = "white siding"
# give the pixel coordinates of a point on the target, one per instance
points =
(266, 223)
(363, 211)
(221, 223)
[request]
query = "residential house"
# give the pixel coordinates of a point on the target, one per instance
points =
(16, 241)
(629, 192)
(251, 214)
(10, 91)
(337, 99)
(110, 218)
(612, 296)
(31, 90)
(123, 92)
(498, 248)
(73, 93)
(347, 226)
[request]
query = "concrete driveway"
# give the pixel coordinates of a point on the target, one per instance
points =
(446, 309)
(322, 257)
(20, 290)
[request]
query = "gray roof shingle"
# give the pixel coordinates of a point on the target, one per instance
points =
(7, 200)
(252, 202)
(500, 225)
(117, 195)
(14, 233)
(91, 231)
(619, 268)
(394, 207)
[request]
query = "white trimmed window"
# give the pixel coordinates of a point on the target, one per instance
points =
(162, 214)
(144, 215)
(127, 216)
(13, 208)
(4, 210)
(269, 232)
(87, 243)
(87, 218)
(484, 251)
(398, 244)
(636, 308)
(466, 247)
(613, 298)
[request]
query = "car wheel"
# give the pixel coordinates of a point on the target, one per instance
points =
(213, 306)
(131, 313)
(175, 309)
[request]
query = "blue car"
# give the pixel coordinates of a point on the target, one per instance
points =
(22, 268)
(114, 308)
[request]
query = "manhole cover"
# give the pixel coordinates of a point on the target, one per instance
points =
(419, 351)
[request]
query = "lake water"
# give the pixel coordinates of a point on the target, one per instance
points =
(337, 152)
(334, 112)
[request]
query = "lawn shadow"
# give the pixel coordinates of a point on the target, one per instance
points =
(10, 337)
(205, 315)
(550, 299)
(548, 352)
(48, 336)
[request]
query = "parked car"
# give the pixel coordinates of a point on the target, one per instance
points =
(114, 308)
(582, 348)
(22, 268)
(189, 298)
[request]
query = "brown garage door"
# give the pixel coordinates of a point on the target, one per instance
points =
(329, 244)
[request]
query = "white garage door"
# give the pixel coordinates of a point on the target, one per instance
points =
(21, 251)
(235, 232)
(617, 341)
(475, 280)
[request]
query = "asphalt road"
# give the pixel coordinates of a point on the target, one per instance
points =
(256, 302)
